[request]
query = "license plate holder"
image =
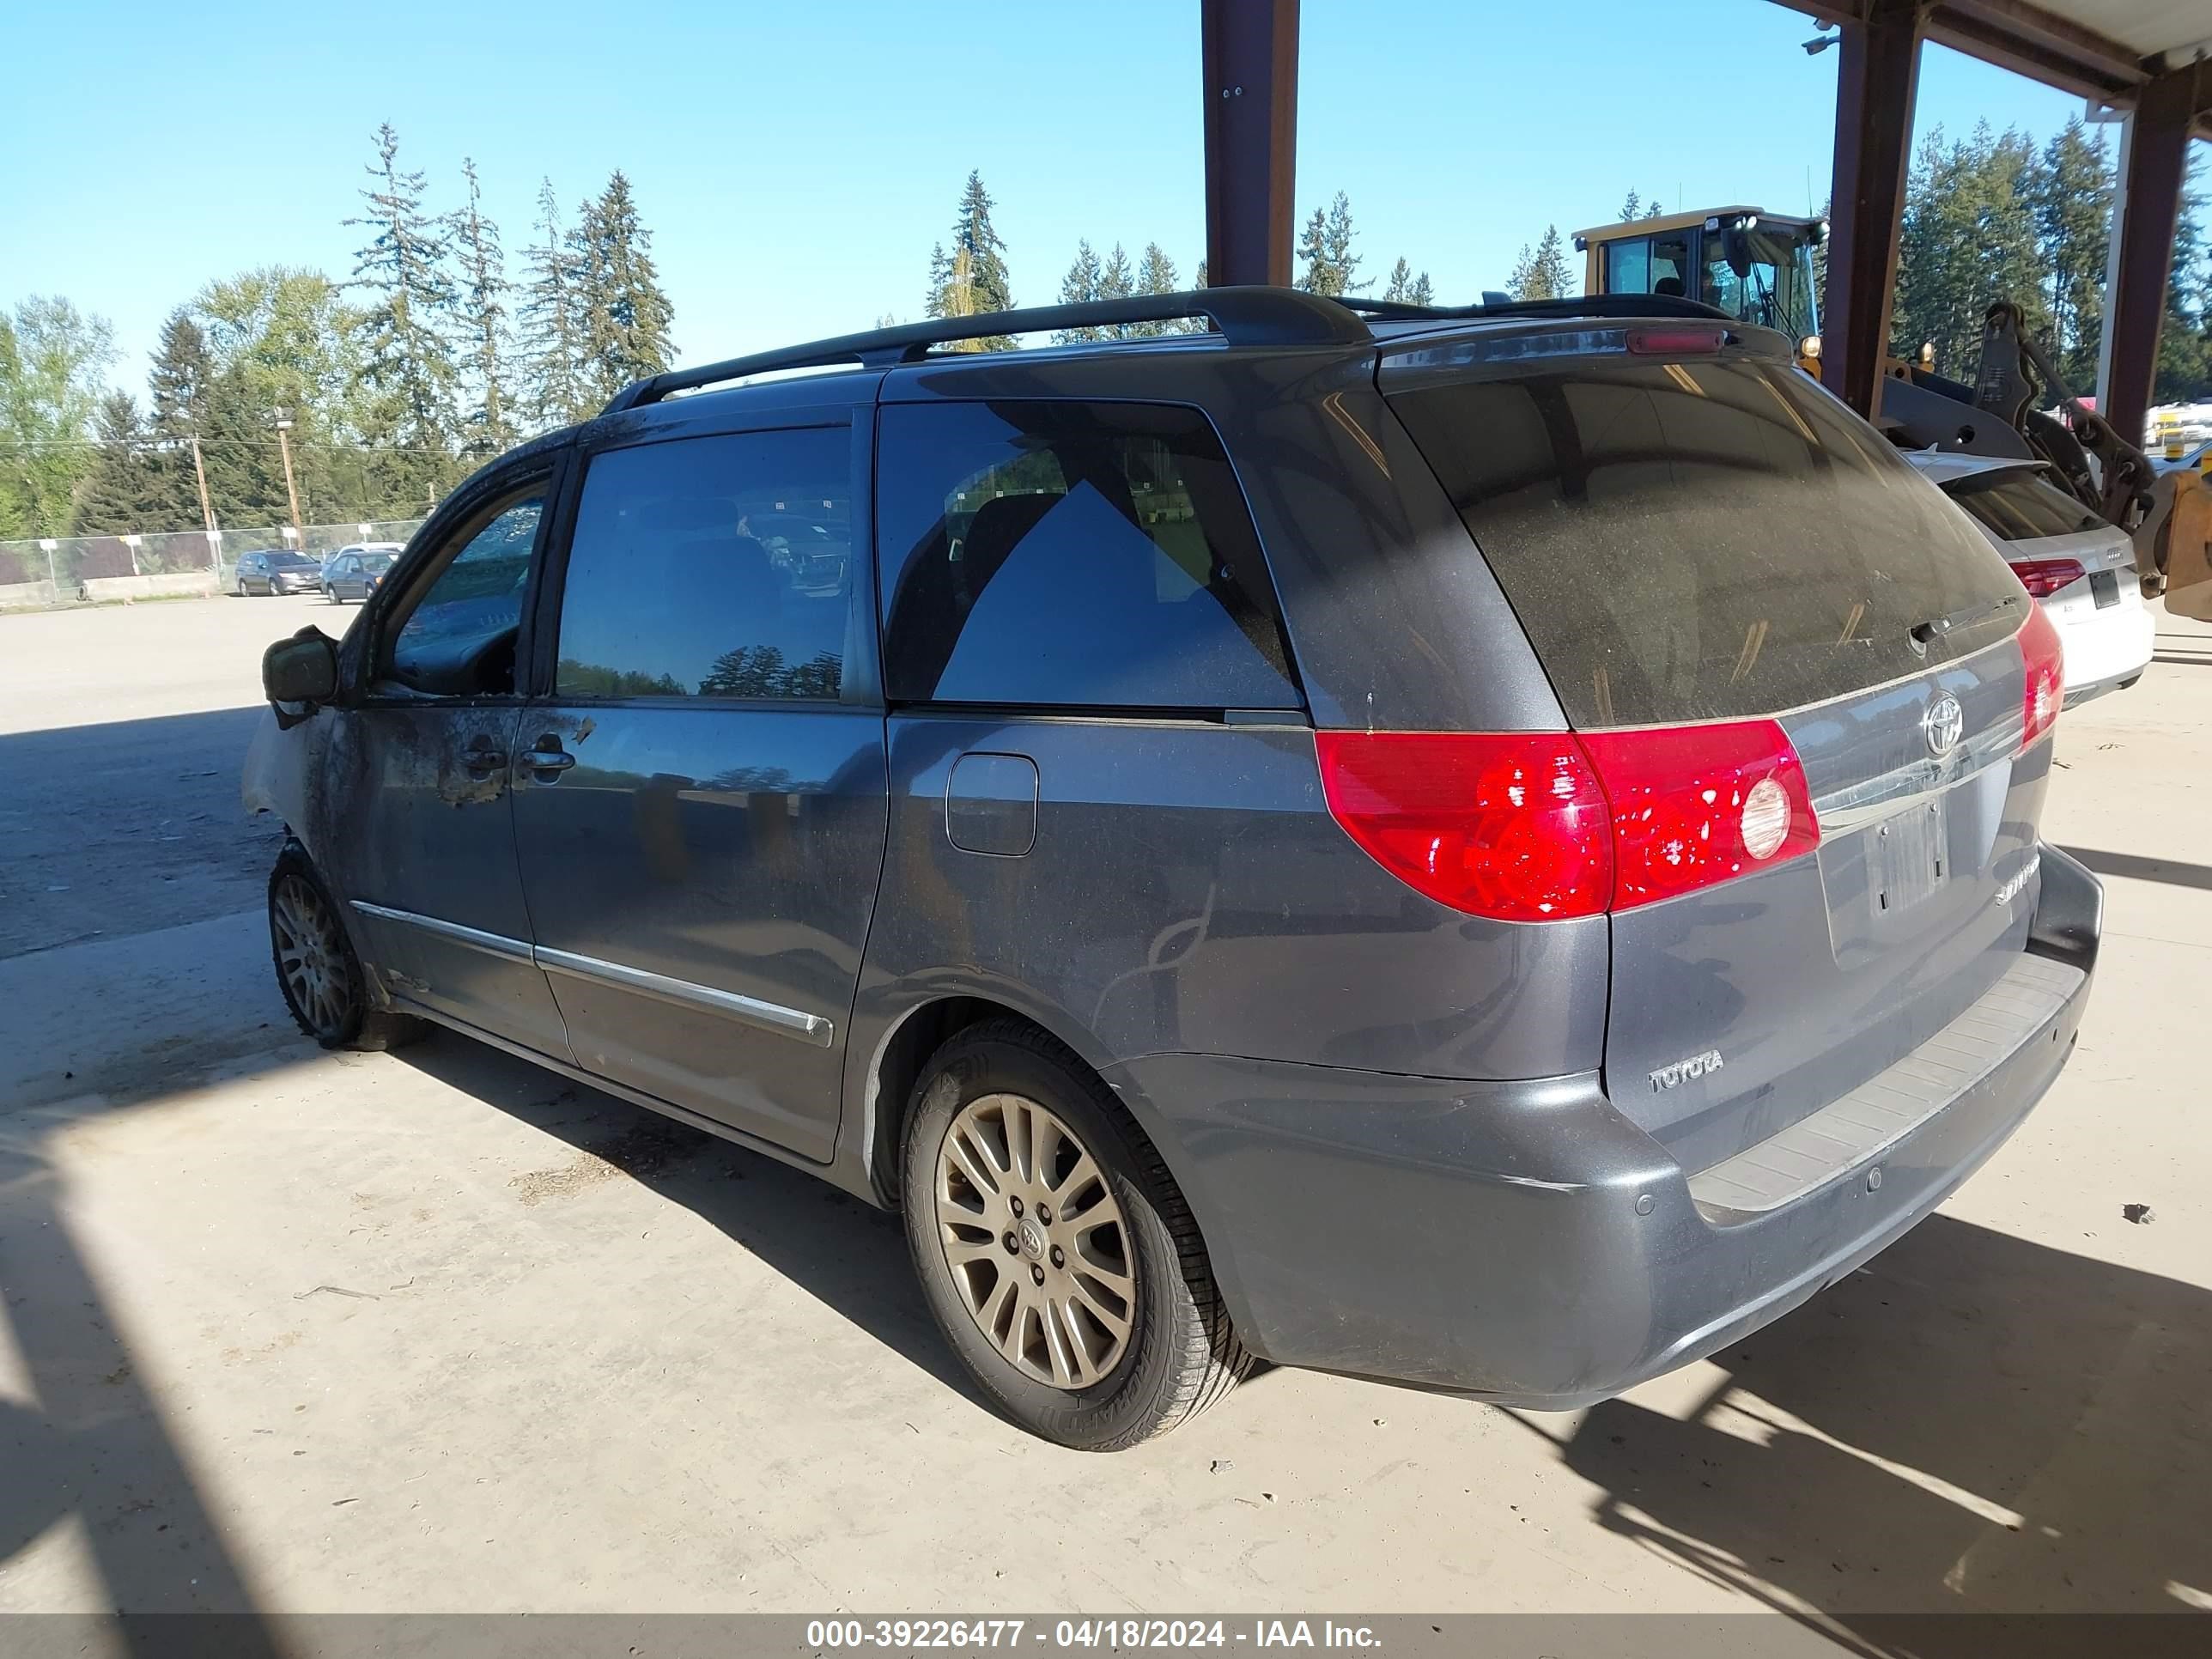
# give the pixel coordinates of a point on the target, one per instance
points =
(1911, 856)
(2105, 588)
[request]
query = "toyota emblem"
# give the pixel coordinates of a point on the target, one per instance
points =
(1942, 724)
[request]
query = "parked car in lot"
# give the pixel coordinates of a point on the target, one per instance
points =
(352, 573)
(2080, 569)
(272, 570)
(1494, 849)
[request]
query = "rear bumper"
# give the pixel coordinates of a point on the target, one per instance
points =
(1524, 1242)
(2102, 648)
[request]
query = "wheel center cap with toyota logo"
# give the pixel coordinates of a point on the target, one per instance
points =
(1943, 725)
(1032, 1239)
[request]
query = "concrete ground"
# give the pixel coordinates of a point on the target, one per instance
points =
(286, 1331)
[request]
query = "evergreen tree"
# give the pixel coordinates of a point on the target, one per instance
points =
(1653, 210)
(1156, 274)
(2184, 347)
(245, 468)
(970, 278)
(1079, 286)
(121, 493)
(625, 315)
(1116, 279)
(551, 346)
(2073, 206)
(484, 289)
(178, 386)
(1329, 266)
(2015, 263)
(1337, 239)
(407, 365)
(1405, 287)
(1968, 239)
(1633, 208)
(183, 367)
(973, 234)
(1542, 273)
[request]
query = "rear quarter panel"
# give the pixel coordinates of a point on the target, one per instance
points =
(1187, 891)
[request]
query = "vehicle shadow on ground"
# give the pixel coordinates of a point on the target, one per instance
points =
(848, 1256)
(1972, 1422)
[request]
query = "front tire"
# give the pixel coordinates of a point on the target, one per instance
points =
(317, 971)
(1053, 1248)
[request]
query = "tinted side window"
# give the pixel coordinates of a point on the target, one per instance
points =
(712, 568)
(1070, 555)
(470, 614)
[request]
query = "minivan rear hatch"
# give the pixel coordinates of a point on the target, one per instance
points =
(1695, 537)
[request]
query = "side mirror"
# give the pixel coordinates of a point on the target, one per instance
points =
(303, 671)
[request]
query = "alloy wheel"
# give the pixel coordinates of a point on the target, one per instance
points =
(311, 958)
(1037, 1246)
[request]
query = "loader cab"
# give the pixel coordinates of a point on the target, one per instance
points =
(1755, 266)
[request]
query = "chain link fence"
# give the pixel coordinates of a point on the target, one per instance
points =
(56, 570)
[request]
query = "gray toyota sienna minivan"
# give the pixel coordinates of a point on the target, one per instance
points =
(1493, 848)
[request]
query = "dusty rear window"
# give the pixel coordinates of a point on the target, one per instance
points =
(1704, 539)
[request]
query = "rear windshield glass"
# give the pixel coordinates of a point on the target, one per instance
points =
(1706, 539)
(2021, 506)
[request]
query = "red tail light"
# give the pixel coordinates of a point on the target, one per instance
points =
(1700, 805)
(1510, 825)
(2044, 577)
(1539, 826)
(2045, 666)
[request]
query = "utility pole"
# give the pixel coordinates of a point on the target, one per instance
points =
(284, 446)
(207, 511)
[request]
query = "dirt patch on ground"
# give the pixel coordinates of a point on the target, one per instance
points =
(642, 1151)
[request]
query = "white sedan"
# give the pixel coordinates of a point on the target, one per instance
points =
(2081, 569)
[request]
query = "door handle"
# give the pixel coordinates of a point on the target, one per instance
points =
(548, 758)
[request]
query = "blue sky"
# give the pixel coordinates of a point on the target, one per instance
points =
(795, 161)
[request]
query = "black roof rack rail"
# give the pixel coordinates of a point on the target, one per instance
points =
(1244, 316)
(1588, 305)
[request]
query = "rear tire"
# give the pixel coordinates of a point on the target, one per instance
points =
(318, 973)
(1039, 1323)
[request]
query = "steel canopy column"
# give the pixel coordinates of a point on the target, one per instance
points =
(1251, 56)
(2150, 216)
(1876, 81)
